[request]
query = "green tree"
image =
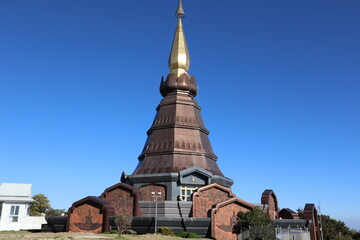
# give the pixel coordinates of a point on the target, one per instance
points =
(355, 234)
(56, 212)
(335, 229)
(300, 212)
(257, 223)
(40, 206)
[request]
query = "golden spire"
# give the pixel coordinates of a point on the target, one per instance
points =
(180, 11)
(179, 59)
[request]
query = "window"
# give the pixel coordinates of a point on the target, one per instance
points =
(14, 213)
(186, 191)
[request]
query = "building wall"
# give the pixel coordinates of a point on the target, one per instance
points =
(272, 208)
(148, 189)
(224, 220)
(172, 188)
(294, 235)
(205, 200)
(25, 222)
(86, 218)
(122, 201)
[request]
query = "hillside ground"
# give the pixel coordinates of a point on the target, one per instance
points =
(20, 235)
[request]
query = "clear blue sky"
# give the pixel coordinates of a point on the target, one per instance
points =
(279, 88)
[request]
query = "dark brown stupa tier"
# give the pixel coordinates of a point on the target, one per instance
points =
(177, 139)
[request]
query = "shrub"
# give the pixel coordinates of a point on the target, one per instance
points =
(193, 235)
(123, 223)
(56, 212)
(182, 234)
(257, 223)
(166, 231)
(130, 232)
(188, 235)
(253, 219)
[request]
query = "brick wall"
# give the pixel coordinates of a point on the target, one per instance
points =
(148, 189)
(269, 198)
(86, 218)
(224, 217)
(310, 213)
(121, 200)
(272, 207)
(287, 213)
(124, 198)
(206, 197)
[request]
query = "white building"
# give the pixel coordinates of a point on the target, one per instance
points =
(15, 200)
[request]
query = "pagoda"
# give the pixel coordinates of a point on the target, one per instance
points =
(177, 153)
(177, 182)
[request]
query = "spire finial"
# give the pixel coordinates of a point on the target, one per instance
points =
(180, 11)
(179, 59)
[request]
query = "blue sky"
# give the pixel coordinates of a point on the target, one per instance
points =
(279, 85)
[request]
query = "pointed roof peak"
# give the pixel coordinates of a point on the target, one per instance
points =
(180, 11)
(179, 59)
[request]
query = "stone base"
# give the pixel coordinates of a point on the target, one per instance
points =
(55, 224)
(143, 225)
(170, 209)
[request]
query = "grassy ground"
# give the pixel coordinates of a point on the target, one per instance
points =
(20, 235)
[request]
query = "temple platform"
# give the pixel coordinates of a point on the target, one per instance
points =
(168, 209)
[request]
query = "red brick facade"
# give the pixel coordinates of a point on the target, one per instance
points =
(224, 217)
(205, 198)
(148, 189)
(90, 214)
(310, 213)
(124, 198)
(269, 198)
(287, 213)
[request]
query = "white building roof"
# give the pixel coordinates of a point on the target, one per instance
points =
(15, 192)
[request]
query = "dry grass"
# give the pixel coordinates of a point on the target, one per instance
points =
(20, 235)
(53, 236)
(153, 237)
